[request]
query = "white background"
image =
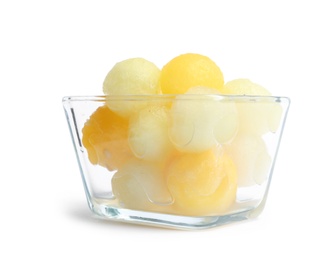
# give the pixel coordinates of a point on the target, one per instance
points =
(50, 49)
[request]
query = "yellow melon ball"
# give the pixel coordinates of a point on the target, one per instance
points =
(190, 70)
(141, 185)
(105, 137)
(202, 183)
(135, 76)
(200, 120)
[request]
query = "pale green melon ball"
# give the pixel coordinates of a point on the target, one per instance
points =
(244, 87)
(135, 76)
(140, 185)
(251, 158)
(200, 121)
(257, 117)
(148, 134)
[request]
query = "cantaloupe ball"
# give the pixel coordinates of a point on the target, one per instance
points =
(202, 183)
(200, 121)
(135, 76)
(251, 158)
(105, 137)
(148, 134)
(190, 70)
(141, 185)
(257, 117)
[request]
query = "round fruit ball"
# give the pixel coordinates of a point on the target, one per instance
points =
(141, 185)
(148, 134)
(201, 120)
(202, 183)
(135, 76)
(244, 87)
(105, 137)
(258, 117)
(249, 152)
(190, 70)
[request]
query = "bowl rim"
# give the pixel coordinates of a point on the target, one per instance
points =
(162, 97)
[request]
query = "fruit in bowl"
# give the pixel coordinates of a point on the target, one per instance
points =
(176, 146)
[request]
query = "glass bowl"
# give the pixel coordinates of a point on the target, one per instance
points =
(176, 161)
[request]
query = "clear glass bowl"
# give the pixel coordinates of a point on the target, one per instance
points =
(178, 161)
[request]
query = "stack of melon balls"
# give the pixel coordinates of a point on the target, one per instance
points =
(186, 154)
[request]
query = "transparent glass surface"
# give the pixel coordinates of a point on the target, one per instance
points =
(177, 161)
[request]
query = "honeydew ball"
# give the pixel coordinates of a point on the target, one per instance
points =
(148, 134)
(257, 117)
(141, 185)
(199, 123)
(135, 76)
(244, 87)
(251, 158)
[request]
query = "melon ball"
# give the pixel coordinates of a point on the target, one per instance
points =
(202, 183)
(105, 137)
(135, 76)
(141, 185)
(257, 116)
(251, 158)
(200, 120)
(190, 70)
(244, 87)
(148, 134)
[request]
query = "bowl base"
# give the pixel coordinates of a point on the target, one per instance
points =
(169, 220)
